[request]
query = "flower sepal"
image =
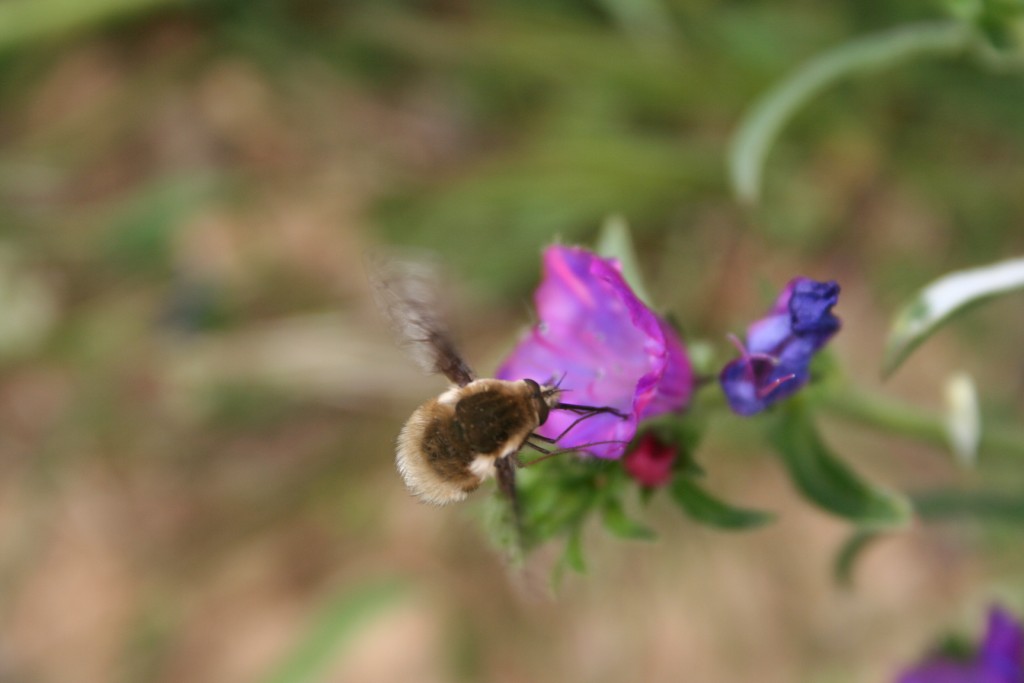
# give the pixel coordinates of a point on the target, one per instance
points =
(561, 496)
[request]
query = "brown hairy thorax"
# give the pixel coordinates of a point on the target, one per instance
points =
(451, 443)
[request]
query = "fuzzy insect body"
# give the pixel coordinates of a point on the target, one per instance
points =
(452, 443)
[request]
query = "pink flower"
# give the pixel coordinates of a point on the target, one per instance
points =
(650, 463)
(604, 348)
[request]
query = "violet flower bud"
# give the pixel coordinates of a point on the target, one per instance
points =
(776, 360)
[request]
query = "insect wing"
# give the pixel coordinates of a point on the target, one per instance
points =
(408, 294)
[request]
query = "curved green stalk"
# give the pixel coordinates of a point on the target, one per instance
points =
(898, 418)
(25, 21)
(761, 126)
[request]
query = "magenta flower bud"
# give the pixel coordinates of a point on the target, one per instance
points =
(1000, 659)
(604, 348)
(776, 360)
(650, 463)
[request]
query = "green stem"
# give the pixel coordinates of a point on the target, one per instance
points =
(761, 127)
(898, 418)
(26, 21)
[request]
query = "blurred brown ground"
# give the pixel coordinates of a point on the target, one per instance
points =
(197, 419)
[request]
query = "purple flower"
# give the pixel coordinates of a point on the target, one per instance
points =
(999, 660)
(603, 347)
(780, 346)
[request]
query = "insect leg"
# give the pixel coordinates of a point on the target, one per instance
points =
(562, 451)
(539, 449)
(590, 410)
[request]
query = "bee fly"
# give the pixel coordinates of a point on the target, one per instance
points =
(476, 428)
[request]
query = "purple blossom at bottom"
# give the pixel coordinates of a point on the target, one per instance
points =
(1000, 659)
(776, 360)
(603, 347)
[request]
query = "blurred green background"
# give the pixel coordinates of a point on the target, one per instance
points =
(198, 405)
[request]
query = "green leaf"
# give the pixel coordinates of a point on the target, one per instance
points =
(706, 509)
(990, 506)
(935, 304)
(762, 125)
(615, 241)
(616, 521)
(850, 552)
(827, 481)
(340, 621)
(937, 506)
(572, 556)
